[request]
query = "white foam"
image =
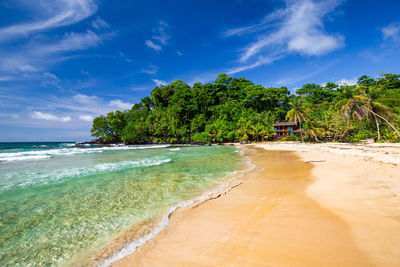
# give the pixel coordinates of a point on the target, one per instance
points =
(175, 149)
(16, 158)
(44, 154)
(35, 180)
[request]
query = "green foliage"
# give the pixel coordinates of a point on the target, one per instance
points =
(110, 128)
(235, 109)
(289, 139)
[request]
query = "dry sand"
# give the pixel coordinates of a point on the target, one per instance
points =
(321, 205)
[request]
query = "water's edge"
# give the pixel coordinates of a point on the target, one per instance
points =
(106, 257)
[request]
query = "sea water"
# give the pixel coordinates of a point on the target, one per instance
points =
(60, 201)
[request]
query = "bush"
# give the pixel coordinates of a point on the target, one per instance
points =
(289, 138)
(202, 137)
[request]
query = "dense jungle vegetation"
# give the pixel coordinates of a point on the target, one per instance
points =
(235, 109)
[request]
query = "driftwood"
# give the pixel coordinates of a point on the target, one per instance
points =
(315, 161)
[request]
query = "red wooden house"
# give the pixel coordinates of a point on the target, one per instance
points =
(285, 129)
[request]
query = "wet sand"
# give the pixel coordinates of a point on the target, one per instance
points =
(284, 214)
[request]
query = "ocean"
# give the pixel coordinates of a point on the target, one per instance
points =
(61, 203)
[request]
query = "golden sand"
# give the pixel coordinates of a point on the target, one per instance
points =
(288, 213)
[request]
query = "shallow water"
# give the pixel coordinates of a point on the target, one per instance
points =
(59, 202)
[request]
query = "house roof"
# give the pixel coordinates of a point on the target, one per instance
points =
(285, 123)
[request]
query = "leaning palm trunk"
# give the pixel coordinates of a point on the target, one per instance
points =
(377, 126)
(391, 125)
(376, 114)
(301, 132)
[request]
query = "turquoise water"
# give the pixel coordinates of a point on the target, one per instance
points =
(59, 202)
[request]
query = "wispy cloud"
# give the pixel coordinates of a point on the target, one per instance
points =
(120, 104)
(10, 115)
(389, 46)
(36, 56)
(51, 14)
(296, 78)
(85, 73)
(125, 57)
(5, 78)
(160, 36)
(55, 111)
(352, 81)
(70, 42)
(85, 99)
(297, 28)
(151, 69)
(100, 23)
(24, 51)
(262, 60)
(49, 117)
(159, 82)
(391, 32)
(86, 118)
(160, 33)
(152, 45)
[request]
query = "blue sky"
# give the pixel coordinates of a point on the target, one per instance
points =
(64, 62)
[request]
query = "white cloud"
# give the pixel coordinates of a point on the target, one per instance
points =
(391, 31)
(79, 104)
(10, 115)
(352, 81)
(35, 53)
(86, 118)
(160, 37)
(5, 78)
(51, 14)
(120, 104)
(161, 34)
(16, 64)
(125, 57)
(260, 61)
(50, 75)
(70, 42)
(99, 23)
(85, 99)
(179, 53)
(152, 45)
(159, 82)
(49, 117)
(297, 28)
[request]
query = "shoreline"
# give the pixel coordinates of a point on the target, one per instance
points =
(140, 233)
(156, 251)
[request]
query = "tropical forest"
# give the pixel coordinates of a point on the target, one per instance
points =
(237, 110)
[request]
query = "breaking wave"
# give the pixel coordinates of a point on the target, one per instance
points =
(40, 179)
(49, 153)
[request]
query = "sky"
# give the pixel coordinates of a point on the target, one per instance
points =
(64, 62)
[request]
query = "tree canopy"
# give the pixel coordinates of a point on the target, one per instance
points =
(235, 109)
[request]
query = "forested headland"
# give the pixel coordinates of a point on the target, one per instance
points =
(235, 109)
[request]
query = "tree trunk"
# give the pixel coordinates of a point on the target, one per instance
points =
(377, 126)
(391, 125)
(376, 114)
(301, 130)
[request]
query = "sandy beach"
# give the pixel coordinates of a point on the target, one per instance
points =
(303, 205)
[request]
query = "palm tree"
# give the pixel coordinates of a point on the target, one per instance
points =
(298, 113)
(314, 129)
(361, 105)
